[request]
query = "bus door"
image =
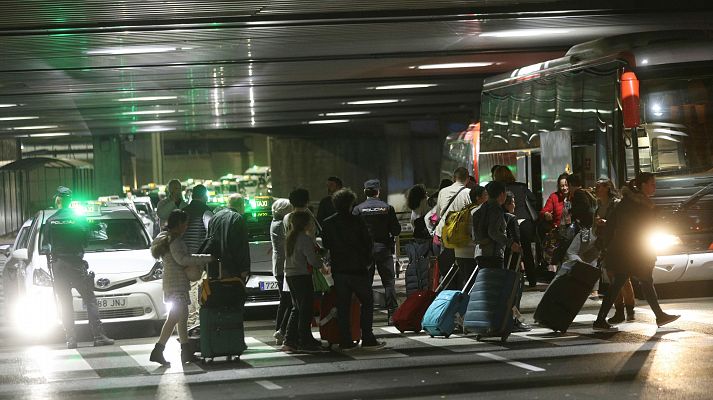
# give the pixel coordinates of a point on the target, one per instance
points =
(556, 158)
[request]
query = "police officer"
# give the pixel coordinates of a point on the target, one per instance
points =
(384, 227)
(67, 235)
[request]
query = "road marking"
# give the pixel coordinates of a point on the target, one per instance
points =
(269, 385)
(54, 365)
(260, 354)
(454, 343)
(141, 352)
(513, 363)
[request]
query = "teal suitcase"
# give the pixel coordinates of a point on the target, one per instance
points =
(222, 333)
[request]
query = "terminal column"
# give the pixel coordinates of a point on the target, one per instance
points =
(107, 165)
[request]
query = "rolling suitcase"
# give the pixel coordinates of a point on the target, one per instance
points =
(409, 315)
(489, 310)
(328, 318)
(440, 317)
(565, 297)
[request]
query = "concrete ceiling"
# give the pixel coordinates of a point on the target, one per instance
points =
(139, 66)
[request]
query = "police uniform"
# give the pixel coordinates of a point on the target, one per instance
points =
(384, 227)
(67, 236)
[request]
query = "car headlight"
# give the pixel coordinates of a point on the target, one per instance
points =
(155, 274)
(40, 277)
(659, 241)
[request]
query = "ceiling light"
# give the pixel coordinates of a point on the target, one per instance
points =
(149, 98)
(153, 122)
(136, 50)
(405, 86)
(148, 112)
(52, 134)
(16, 118)
(327, 121)
(454, 65)
(345, 113)
(7, 105)
(22, 128)
(525, 32)
(364, 102)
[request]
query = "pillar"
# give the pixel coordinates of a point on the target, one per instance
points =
(107, 165)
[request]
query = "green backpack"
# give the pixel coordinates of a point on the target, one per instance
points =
(456, 229)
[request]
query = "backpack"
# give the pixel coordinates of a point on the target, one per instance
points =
(456, 229)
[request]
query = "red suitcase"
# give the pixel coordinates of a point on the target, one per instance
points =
(328, 325)
(410, 313)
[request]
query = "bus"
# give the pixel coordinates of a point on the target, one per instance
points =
(574, 114)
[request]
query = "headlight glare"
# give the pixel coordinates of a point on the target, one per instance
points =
(659, 241)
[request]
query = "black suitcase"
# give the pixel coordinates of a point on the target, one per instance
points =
(565, 297)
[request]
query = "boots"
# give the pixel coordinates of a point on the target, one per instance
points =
(102, 340)
(157, 355)
(630, 313)
(187, 353)
(618, 315)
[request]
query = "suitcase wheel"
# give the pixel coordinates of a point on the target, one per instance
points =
(504, 338)
(401, 330)
(431, 336)
(478, 337)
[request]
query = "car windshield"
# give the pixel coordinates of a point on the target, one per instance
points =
(112, 234)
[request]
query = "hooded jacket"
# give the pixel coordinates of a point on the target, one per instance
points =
(627, 250)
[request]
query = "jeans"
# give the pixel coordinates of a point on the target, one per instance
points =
(647, 286)
(358, 285)
(527, 236)
(299, 325)
(285, 307)
(626, 295)
(72, 273)
(384, 264)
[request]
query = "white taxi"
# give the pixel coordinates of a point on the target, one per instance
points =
(127, 280)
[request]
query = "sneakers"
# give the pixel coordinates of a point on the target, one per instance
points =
(348, 347)
(666, 319)
(102, 340)
(288, 347)
(279, 338)
(603, 326)
(372, 345)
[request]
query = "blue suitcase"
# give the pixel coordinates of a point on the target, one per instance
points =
(489, 309)
(440, 318)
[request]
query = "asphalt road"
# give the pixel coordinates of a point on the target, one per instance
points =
(638, 362)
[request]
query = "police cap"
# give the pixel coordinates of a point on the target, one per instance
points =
(63, 191)
(372, 184)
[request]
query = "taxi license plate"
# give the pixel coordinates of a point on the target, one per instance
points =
(272, 285)
(108, 303)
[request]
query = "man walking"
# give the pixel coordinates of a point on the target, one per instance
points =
(230, 231)
(384, 227)
(174, 200)
(68, 235)
(347, 238)
(326, 207)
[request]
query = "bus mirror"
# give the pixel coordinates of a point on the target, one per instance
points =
(630, 99)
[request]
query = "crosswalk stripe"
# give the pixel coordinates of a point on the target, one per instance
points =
(54, 365)
(454, 343)
(172, 353)
(513, 363)
(260, 354)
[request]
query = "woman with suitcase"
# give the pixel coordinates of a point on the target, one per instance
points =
(171, 249)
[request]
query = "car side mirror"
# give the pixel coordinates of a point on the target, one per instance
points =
(20, 254)
(5, 249)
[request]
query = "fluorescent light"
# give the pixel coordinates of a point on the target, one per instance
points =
(327, 121)
(502, 123)
(345, 113)
(136, 50)
(8, 105)
(364, 102)
(52, 134)
(670, 131)
(148, 112)
(455, 65)
(22, 128)
(156, 128)
(405, 86)
(153, 122)
(525, 32)
(149, 98)
(17, 118)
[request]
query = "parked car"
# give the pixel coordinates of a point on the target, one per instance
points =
(127, 280)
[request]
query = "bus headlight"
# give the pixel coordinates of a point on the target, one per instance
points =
(659, 241)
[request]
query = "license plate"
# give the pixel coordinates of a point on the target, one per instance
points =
(272, 285)
(108, 303)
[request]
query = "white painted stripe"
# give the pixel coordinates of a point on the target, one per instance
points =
(359, 354)
(513, 363)
(172, 353)
(269, 385)
(260, 355)
(56, 365)
(454, 343)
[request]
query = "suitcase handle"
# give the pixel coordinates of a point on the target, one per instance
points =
(517, 263)
(448, 278)
(470, 280)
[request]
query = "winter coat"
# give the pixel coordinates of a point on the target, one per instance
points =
(175, 260)
(627, 249)
(555, 206)
(524, 200)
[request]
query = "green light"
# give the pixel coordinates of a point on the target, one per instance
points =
(253, 203)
